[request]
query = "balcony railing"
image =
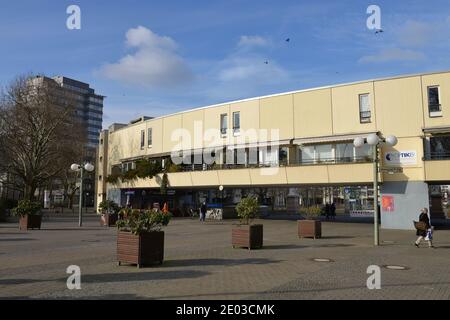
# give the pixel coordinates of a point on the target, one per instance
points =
(304, 162)
(342, 160)
(437, 156)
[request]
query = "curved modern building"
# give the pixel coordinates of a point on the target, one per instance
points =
(295, 149)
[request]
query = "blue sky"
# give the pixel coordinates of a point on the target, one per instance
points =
(158, 57)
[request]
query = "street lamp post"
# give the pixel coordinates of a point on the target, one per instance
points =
(89, 168)
(375, 140)
(221, 196)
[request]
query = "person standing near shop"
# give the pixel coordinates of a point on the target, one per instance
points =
(424, 231)
(203, 212)
(333, 211)
(327, 211)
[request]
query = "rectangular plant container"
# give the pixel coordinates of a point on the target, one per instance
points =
(141, 250)
(30, 222)
(309, 229)
(109, 220)
(247, 236)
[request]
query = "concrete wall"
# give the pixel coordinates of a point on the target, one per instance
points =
(437, 170)
(409, 198)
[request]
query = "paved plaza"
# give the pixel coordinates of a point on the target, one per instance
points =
(201, 264)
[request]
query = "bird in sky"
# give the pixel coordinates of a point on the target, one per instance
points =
(379, 31)
(288, 39)
(266, 62)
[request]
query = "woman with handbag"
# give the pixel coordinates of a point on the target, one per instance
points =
(424, 229)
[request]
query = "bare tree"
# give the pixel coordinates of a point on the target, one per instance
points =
(39, 130)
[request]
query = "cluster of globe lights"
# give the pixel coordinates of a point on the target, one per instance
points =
(88, 167)
(374, 140)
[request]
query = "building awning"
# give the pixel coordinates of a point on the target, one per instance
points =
(436, 130)
(246, 145)
(331, 139)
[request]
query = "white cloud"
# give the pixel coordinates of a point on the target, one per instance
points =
(247, 63)
(154, 64)
(248, 70)
(253, 41)
(252, 68)
(416, 34)
(393, 54)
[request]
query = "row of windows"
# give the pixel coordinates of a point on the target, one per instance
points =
(94, 122)
(280, 155)
(340, 152)
(95, 115)
(96, 100)
(149, 138)
(434, 104)
(365, 114)
(95, 108)
(236, 123)
(77, 89)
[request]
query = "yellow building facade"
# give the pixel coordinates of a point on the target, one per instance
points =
(295, 149)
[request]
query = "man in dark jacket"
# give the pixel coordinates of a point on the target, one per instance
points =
(422, 233)
(203, 210)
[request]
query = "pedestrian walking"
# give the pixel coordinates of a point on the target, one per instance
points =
(327, 211)
(424, 229)
(203, 211)
(333, 211)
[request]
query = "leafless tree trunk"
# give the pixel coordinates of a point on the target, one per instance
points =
(38, 131)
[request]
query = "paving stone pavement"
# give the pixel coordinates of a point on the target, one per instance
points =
(201, 264)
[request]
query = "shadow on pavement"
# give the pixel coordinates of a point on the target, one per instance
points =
(19, 281)
(104, 297)
(74, 229)
(442, 247)
(217, 262)
(17, 239)
(283, 246)
(333, 245)
(117, 277)
(338, 237)
(141, 276)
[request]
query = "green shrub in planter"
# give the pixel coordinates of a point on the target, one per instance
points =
(109, 206)
(138, 222)
(27, 207)
(246, 235)
(312, 213)
(29, 213)
(247, 210)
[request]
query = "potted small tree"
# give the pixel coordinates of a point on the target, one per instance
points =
(311, 227)
(140, 240)
(247, 235)
(29, 213)
(109, 213)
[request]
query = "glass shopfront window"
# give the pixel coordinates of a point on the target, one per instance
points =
(307, 154)
(324, 153)
(440, 147)
(344, 152)
(268, 156)
(364, 153)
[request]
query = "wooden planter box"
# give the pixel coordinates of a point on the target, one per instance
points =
(30, 222)
(245, 236)
(141, 250)
(109, 220)
(309, 229)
